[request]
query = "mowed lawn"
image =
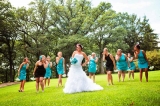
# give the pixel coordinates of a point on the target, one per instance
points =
(128, 93)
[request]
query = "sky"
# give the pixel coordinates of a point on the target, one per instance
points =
(148, 8)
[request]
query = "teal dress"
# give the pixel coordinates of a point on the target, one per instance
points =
(60, 69)
(122, 63)
(22, 74)
(132, 65)
(92, 66)
(142, 63)
(48, 72)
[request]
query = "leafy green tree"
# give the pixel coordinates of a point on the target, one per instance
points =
(8, 36)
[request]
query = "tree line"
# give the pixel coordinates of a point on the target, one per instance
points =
(49, 26)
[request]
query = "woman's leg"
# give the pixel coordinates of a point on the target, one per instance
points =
(146, 74)
(41, 83)
(141, 73)
(132, 74)
(48, 81)
(123, 76)
(129, 75)
(93, 77)
(45, 80)
(109, 75)
(60, 80)
(23, 83)
(37, 84)
(90, 75)
(20, 88)
(119, 75)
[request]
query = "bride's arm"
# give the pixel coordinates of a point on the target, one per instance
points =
(73, 53)
(86, 59)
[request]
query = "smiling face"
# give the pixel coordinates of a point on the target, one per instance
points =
(129, 55)
(59, 54)
(26, 60)
(43, 58)
(78, 48)
(119, 52)
(105, 50)
(48, 58)
(93, 54)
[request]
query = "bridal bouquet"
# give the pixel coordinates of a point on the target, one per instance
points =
(151, 67)
(32, 78)
(73, 60)
(17, 79)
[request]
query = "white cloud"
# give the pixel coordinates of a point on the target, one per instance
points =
(20, 3)
(120, 6)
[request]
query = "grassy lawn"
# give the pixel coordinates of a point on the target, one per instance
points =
(128, 93)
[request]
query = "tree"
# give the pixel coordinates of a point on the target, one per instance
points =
(8, 36)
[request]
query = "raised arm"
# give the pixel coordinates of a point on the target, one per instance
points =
(103, 56)
(117, 57)
(57, 60)
(50, 64)
(136, 54)
(96, 59)
(73, 54)
(45, 64)
(127, 60)
(20, 68)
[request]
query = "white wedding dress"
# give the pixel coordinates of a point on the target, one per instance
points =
(77, 80)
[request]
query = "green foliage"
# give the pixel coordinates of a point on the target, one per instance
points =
(128, 93)
(154, 58)
(49, 26)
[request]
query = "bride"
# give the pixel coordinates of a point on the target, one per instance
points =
(77, 79)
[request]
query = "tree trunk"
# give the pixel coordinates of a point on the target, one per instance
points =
(6, 79)
(10, 69)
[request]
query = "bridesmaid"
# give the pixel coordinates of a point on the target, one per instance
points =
(132, 66)
(48, 71)
(122, 64)
(92, 66)
(39, 72)
(142, 61)
(22, 73)
(60, 67)
(110, 65)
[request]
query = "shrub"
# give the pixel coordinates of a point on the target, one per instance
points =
(154, 59)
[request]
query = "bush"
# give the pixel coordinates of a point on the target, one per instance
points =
(154, 59)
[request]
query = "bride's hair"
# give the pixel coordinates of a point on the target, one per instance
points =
(80, 46)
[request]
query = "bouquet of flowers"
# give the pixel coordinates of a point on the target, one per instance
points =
(151, 67)
(32, 78)
(17, 79)
(73, 60)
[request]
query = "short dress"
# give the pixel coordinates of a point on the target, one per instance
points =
(142, 63)
(132, 65)
(92, 65)
(48, 72)
(40, 71)
(109, 63)
(122, 63)
(22, 75)
(60, 69)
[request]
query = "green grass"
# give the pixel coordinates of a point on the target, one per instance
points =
(128, 93)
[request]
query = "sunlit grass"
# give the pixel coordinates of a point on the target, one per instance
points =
(130, 92)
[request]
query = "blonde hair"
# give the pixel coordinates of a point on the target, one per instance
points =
(93, 53)
(48, 57)
(119, 50)
(105, 49)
